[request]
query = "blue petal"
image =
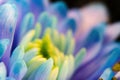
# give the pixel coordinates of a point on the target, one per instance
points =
(69, 24)
(3, 46)
(18, 69)
(60, 8)
(112, 59)
(10, 78)
(93, 42)
(8, 18)
(47, 20)
(107, 74)
(17, 54)
(87, 70)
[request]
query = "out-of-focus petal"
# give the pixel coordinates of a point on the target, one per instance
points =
(3, 1)
(68, 24)
(93, 42)
(79, 57)
(107, 74)
(37, 6)
(59, 9)
(117, 75)
(3, 72)
(10, 78)
(47, 20)
(85, 71)
(27, 24)
(112, 32)
(91, 15)
(111, 60)
(54, 74)
(75, 14)
(63, 72)
(27, 38)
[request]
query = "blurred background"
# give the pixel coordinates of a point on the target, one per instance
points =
(113, 7)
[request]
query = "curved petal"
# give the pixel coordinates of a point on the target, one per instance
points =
(8, 18)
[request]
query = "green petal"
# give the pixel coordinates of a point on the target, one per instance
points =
(33, 65)
(27, 24)
(54, 74)
(30, 54)
(79, 57)
(63, 73)
(37, 31)
(43, 72)
(71, 63)
(27, 38)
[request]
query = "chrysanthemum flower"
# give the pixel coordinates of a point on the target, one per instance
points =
(44, 41)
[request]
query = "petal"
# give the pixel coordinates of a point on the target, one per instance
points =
(3, 72)
(27, 38)
(93, 42)
(8, 18)
(47, 20)
(68, 24)
(91, 15)
(70, 43)
(10, 78)
(30, 54)
(63, 72)
(107, 74)
(37, 31)
(43, 72)
(112, 32)
(17, 54)
(111, 60)
(37, 6)
(117, 75)
(18, 69)
(79, 57)
(33, 65)
(59, 9)
(87, 70)
(3, 46)
(27, 24)
(54, 73)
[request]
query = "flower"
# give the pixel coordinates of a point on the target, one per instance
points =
(40, 40)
